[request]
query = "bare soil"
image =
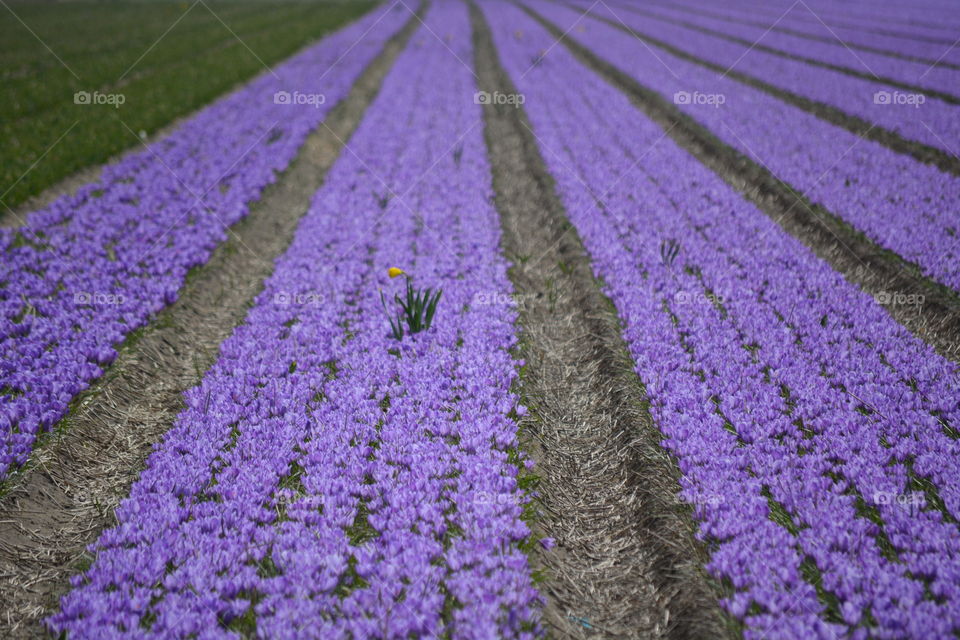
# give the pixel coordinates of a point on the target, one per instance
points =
(625, 564)
(67, 494)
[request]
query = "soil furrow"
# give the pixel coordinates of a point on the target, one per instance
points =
(66, 495)
(876, 270)
(625, 562)
(943, 160)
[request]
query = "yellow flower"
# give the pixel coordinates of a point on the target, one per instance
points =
(393, 272)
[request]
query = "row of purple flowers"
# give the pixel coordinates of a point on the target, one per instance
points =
(862, 182)
(816, 436)
(327, 480)
(90, 268)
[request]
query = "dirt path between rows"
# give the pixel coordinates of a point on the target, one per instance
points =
(625, 564)
(943, 160)
(68, 492)
(877, 271)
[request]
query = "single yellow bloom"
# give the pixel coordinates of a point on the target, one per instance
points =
(393, 272)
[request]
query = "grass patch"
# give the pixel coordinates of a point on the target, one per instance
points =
(106, 47)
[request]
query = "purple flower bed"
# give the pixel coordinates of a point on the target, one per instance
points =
(914, 116)
(933, 20)
(89, 269)
(816, 436)
(917, 18)
(919, 74)
(326, 480)
(911, 28)
(911, 19)
(864, 183)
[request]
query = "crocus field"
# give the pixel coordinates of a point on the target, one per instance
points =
(356, 462)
